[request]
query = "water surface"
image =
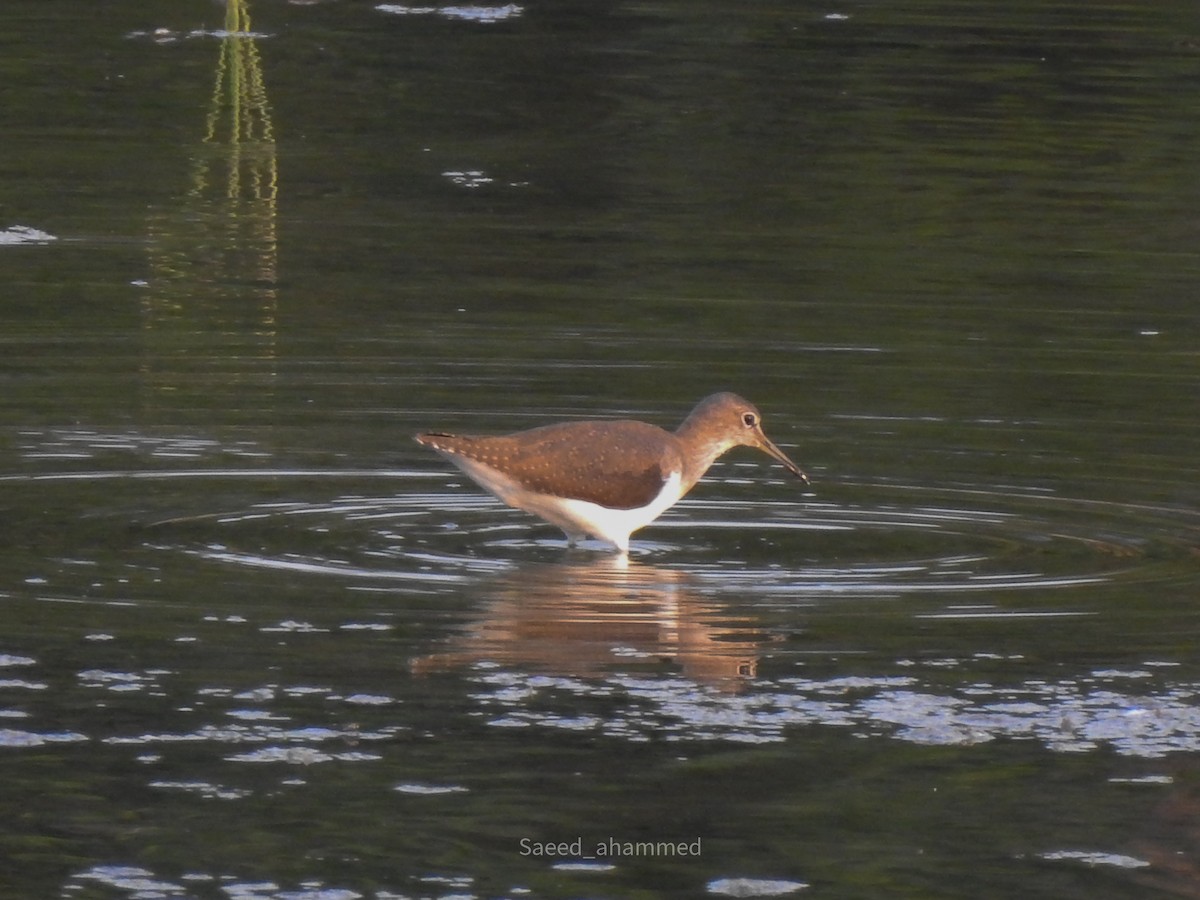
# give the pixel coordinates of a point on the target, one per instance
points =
(259, 644)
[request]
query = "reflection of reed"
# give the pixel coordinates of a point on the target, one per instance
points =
(590, 620)
(209, 318)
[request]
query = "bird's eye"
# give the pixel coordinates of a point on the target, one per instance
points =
(749, 419)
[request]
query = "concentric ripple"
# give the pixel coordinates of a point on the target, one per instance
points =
(229, 503)
(883, 540)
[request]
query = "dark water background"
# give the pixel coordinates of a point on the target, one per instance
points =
(256, 643)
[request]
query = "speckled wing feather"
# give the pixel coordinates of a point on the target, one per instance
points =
(620, 465)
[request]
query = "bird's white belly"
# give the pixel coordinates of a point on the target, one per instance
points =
(575, 517)
(613, 525)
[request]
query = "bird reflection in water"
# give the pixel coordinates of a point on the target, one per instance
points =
(595, 619)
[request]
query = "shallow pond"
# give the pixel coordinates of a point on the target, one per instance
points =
(257, 643)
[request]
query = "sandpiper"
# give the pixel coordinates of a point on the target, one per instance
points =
(604, 478)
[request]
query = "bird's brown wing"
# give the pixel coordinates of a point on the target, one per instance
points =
(620, 465)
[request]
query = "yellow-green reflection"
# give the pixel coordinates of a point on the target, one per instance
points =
(210, 315)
